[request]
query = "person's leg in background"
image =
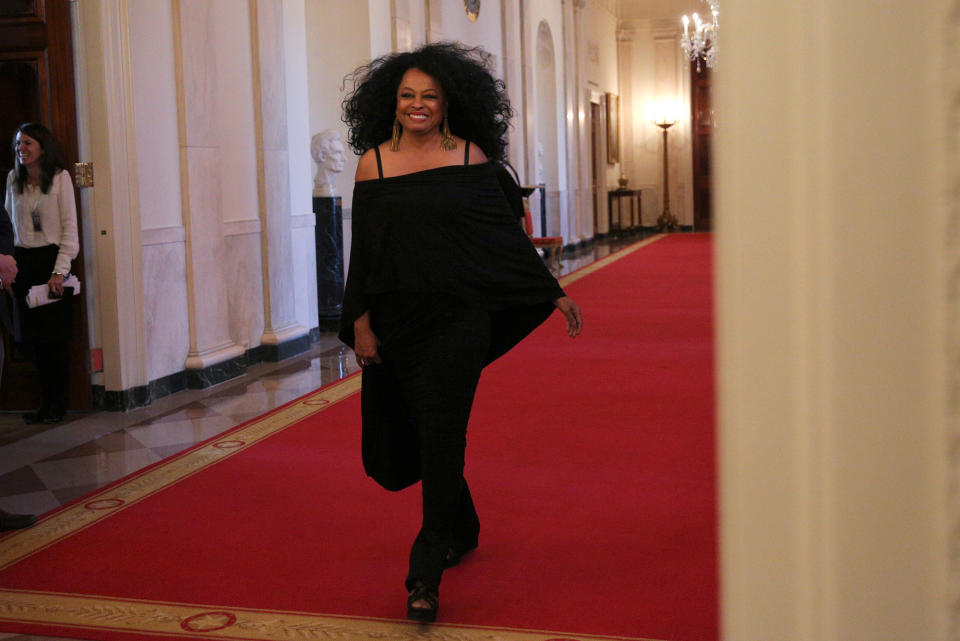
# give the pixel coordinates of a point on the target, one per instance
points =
(51, 362)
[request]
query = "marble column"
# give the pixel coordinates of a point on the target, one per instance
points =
(282, 336)
(212, 352)
(329, 239)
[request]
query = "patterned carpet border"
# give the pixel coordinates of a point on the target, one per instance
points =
(234, 624)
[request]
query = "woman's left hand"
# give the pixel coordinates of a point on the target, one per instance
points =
(571, 311)
(56, 284)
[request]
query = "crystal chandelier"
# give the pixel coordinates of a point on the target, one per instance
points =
(703, 42)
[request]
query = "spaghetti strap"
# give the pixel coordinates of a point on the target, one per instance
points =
(376, 150)
(466, 153)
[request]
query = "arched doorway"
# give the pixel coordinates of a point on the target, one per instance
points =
(546, 150)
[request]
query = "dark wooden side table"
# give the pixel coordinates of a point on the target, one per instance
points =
(624, 210)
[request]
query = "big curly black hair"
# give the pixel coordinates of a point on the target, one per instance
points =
(477, 106)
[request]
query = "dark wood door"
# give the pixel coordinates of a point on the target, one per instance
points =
(703, 124)
(596, 166)
(36, 84)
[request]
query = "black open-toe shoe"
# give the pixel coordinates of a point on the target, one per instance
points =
(430, 596)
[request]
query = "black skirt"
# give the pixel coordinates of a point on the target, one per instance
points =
(47, 323)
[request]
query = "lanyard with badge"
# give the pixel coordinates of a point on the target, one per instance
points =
(34, 214)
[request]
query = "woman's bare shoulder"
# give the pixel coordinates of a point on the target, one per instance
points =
(367, 166)
(476, 155)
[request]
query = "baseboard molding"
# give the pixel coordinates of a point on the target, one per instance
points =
(284, 350)
(656, 230)
(573, 248)
(217, 373)
(646, 230)
(328, 323)
(144, 395)
(122, 400)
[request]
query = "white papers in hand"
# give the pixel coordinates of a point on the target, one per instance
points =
(40, 294)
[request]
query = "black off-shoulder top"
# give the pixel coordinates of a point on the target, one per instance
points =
(444, 234)
(449, 231)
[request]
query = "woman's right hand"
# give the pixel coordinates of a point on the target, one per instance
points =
(366, 345)
(8, 270)
(56, 285)
(571, 312)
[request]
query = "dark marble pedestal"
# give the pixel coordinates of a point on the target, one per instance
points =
(329, 240)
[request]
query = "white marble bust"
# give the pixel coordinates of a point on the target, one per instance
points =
(327, 150)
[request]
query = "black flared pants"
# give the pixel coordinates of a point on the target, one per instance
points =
(437, 363)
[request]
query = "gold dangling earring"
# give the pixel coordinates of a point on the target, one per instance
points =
(397, 131)
(447, 143)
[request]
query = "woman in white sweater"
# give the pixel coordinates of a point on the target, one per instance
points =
(40, 199)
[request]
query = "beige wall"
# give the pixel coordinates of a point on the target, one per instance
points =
(834, 446)
(338, 41)
(486, 32)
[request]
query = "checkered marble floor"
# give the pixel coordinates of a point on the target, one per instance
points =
(43, 467)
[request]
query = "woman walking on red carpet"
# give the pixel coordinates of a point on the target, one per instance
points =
(442, 281)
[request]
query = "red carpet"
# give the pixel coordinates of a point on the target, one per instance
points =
(591, 462)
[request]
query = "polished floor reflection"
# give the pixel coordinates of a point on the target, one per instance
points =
(42, 468)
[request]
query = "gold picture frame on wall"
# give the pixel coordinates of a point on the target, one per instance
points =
(613, 129)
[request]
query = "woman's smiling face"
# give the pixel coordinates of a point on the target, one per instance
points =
(28, 149)
(420, 102)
